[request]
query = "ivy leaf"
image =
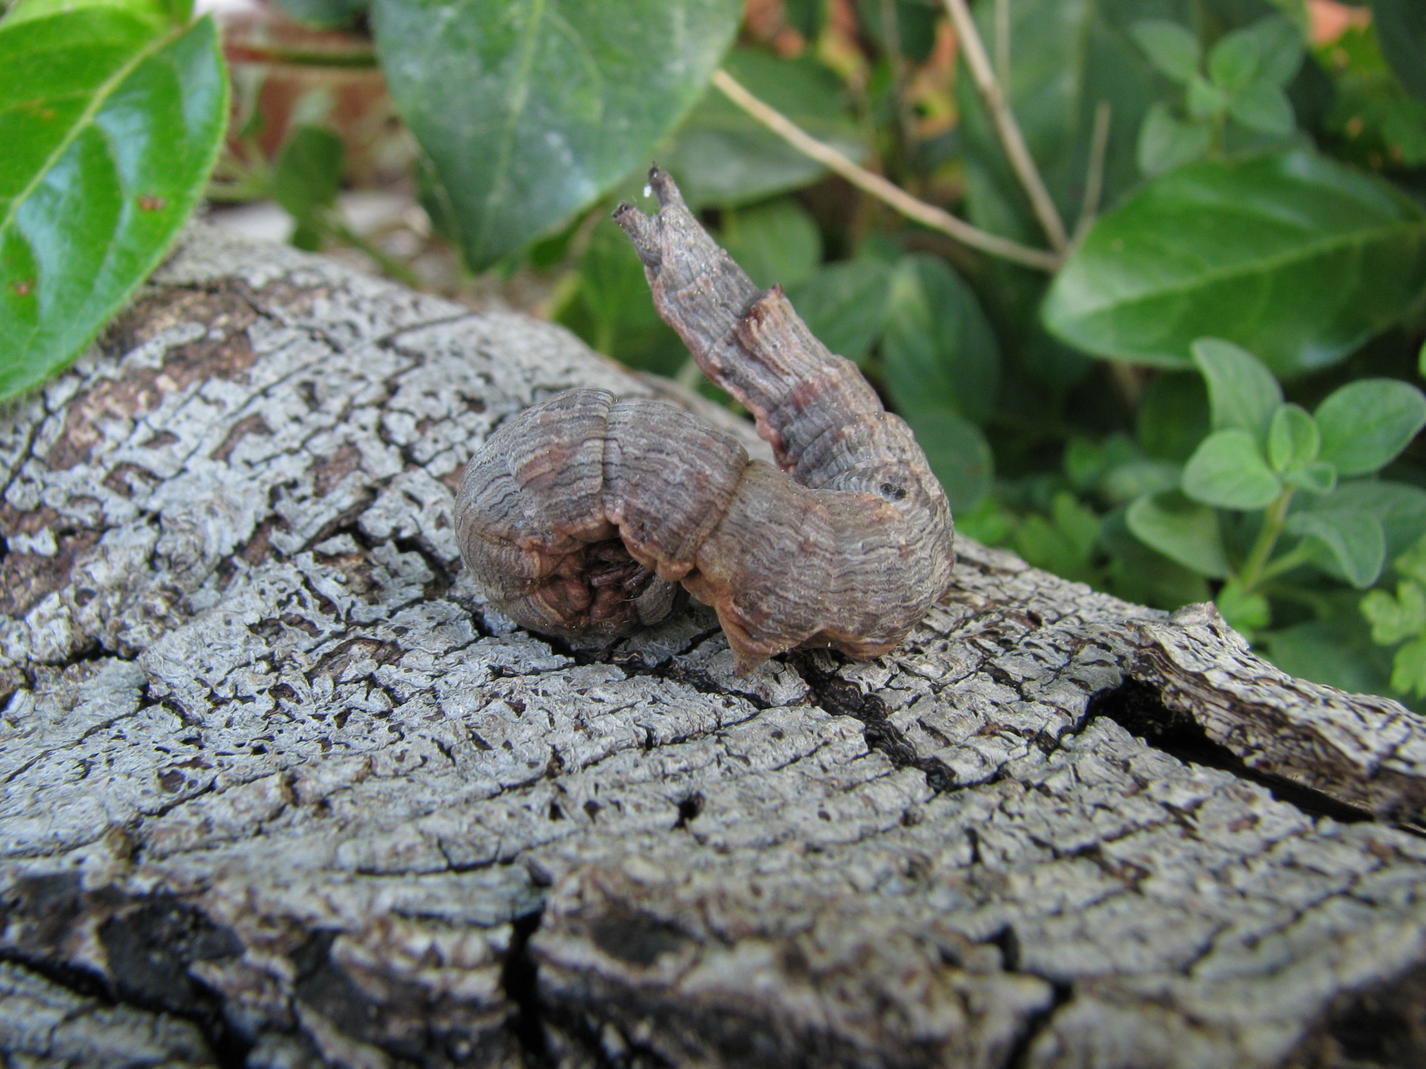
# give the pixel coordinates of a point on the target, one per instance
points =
(1242, 392)
(1228, 471)
(527, 112)
(1367, 423)
(1180, 529)
(110, 123)
(1294, 257)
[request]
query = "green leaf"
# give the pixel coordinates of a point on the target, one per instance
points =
(1246, 612)
(1270, 49)
(1064, 541)
(775, 243)
(1205, 100)
(938, 349)
(1228, 471)
(157, 12)
(1180, 529)
(1398, 507)
(1173, 416)
(527, 112)
(1171, 48)
(110, 129)
(1289, 255)
(1242, 392)
(1408, 668)
(1395, 619)
(1166, 141)
(308, 173)
(1402, 32)
(845, 304)
(1318, 477)
(1365, 424)
(958, 454)
(722, 156)
(1263, 107)
(1334, 650)
(1353, 541)
(1293, 438)
(324, 12)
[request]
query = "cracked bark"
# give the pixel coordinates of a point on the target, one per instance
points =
(280, 789)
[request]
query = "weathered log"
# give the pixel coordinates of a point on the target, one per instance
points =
(280, 789)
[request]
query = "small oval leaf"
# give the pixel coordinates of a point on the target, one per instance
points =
(1229, 472)
(1366, 423)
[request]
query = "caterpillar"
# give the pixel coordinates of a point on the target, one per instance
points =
(584, 514)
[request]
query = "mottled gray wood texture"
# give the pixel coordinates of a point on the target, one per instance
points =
(280, 789)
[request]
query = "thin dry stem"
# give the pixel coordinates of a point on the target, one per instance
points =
(1006, 128)
(1094, 176)
(879, 187)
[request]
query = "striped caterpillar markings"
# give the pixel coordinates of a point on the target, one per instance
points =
(583, 514)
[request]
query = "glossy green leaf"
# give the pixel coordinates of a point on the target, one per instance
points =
(1293, 438)
(527, 112)
(845, 304)
(724, 157)
(1290, 255)
(1166, 141)
(958, 454)
(156, 11)
(1241, 391)
(1353, 541)
(1172, 48)
(1366, 423)
(1228, 471)
(776, 243)
(1182, 530)
(1402, 32)
(110, 127)
(938, 349)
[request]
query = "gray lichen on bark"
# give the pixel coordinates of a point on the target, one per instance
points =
(280, 788)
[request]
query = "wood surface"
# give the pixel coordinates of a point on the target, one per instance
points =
(280, 789)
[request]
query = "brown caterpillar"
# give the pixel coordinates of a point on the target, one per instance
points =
(579, 515)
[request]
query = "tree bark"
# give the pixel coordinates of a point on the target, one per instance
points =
(280, 789)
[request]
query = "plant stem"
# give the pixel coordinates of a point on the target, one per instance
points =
(1255, 569)
(1094, 176)
(1006, 128)
(390, 265)
(879, 187)
(357, 57)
